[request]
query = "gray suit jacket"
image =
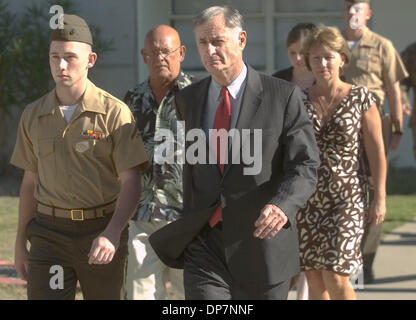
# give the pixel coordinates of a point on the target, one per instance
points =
(289, 161)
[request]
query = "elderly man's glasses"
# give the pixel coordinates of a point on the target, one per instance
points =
(163, 53)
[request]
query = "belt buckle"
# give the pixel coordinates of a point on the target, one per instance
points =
(77, 211)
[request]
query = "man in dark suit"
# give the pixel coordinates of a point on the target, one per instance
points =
(238, 238)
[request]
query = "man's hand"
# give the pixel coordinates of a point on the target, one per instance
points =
(271, 220)
(27, 210)
(407, 109)
(103, 248)
(393, 94)
(21, 260)
(105, 245)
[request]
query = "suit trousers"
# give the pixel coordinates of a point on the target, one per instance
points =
(370, 242)
(207, 277)
(58, 258)
(146, 274)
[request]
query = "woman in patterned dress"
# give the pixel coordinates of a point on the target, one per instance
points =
(346, 123)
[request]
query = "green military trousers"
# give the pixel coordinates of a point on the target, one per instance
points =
(58, 258)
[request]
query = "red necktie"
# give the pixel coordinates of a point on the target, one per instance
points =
(221, 121)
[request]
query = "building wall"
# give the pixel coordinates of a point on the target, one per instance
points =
(128, 21)
(150, 14)
(117, 69)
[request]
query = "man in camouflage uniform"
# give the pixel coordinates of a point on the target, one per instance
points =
(376, 65)
(152, 106)
(409, 60)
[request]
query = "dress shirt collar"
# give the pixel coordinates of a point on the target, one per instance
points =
(233, 88)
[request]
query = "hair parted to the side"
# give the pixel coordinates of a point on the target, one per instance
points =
(299, 32)
(233, 18)
(331, 38)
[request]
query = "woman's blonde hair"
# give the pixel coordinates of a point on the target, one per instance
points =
(331, 38)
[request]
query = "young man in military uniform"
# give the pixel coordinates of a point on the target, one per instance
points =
(376, 65)
(409, 60)
(152, 105)
(82, 157)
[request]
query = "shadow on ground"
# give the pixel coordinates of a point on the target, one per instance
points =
(392, 290)
(409, 277)
(405, 239)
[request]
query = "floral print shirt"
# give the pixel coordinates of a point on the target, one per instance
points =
(161, 194)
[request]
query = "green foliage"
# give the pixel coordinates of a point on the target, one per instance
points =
(7, 34)
(400, 181)
(399, 210)
(24, 47)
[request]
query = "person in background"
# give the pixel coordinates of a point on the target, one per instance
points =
(374, 64)
(346, 123)
(161, 201)
(298, 74)
(409, 60)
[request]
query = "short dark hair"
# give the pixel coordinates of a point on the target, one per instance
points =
(300, 31)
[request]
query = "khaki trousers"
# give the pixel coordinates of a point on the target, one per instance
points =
(369, 245)
(146, 274)
(372, 234)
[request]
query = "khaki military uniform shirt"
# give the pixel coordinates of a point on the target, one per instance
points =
(78, 163)
(374, 64)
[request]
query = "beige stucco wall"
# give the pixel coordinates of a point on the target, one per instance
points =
(128, 21)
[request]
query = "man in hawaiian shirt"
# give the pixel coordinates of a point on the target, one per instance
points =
(161, 199)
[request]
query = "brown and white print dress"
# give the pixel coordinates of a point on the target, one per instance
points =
(331, 224)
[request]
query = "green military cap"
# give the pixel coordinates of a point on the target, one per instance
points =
(75, 29)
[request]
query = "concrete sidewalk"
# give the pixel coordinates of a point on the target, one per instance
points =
(394, 268)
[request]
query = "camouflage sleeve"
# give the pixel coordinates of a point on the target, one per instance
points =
(404, 93)
(194, 79)
(393, 67)
(127, 98)
(408, 57)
